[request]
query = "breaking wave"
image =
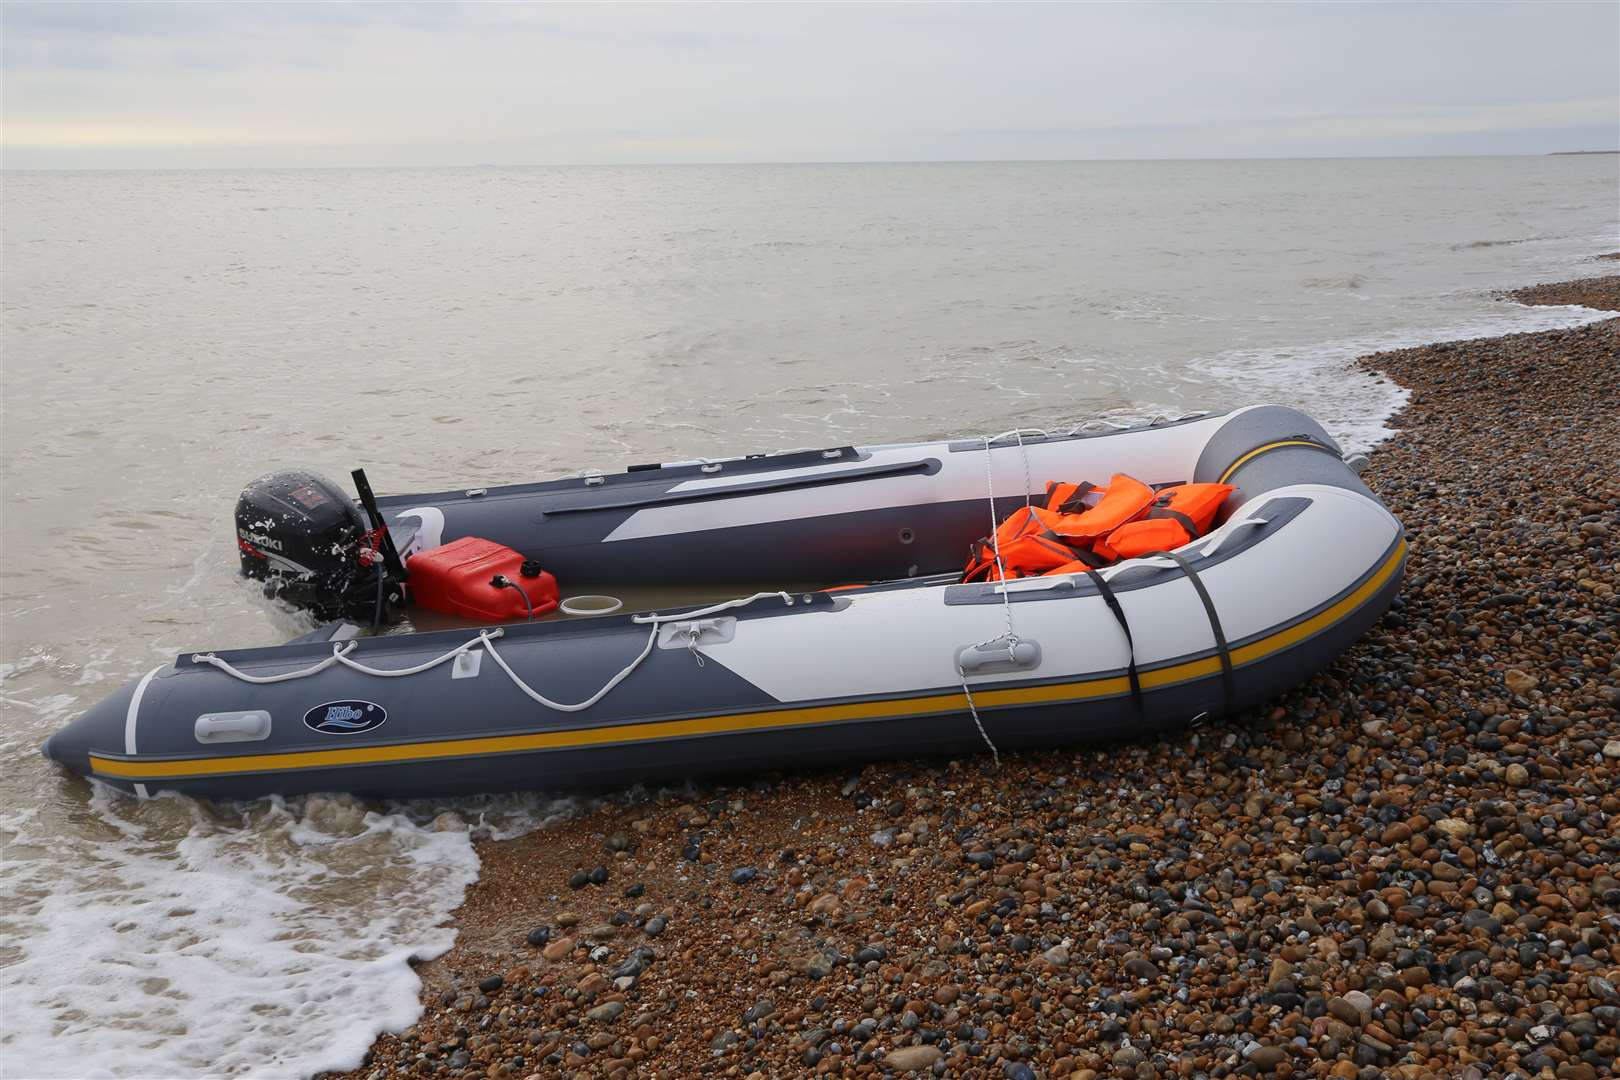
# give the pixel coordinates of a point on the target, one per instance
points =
(175, 938)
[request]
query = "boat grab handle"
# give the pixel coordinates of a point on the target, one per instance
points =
(227, 727)
(1231, 529)
(991, 657)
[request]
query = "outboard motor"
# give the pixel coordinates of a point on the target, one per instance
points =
(311, 545)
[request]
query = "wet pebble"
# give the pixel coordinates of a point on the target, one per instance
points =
(911, 1058)
(607, 1012)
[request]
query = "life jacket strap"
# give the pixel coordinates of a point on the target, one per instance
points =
(1227, 683)
(981, 559)
(1119, 616)
(1075, 503)
(1187, 523)
(1076, 552)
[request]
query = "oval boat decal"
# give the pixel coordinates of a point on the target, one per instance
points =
(345, 717)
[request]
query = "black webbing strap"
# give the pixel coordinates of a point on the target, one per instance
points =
(983, 558)
(1214, 622)
(1074, 504)
(1119, 614)
(1076, 552)
(1175, 515)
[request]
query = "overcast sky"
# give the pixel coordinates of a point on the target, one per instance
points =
(158, 85)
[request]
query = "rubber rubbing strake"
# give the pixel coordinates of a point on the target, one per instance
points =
(1298, 440)
(132, 718)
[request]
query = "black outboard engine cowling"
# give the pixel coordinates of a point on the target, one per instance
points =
(308, 541)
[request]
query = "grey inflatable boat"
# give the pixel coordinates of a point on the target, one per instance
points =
(903, 660)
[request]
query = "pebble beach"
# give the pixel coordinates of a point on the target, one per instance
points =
(1408, 866)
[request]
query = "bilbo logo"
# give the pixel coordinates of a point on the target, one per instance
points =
(345, 717)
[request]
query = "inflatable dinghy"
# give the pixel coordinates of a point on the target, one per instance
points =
(899, 659)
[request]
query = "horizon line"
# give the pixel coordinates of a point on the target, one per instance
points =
(772, 164)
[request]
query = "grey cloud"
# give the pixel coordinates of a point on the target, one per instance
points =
(350, 84)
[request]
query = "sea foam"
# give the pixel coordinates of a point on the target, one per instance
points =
(1353, 403)
(269, 940)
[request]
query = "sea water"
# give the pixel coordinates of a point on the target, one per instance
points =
(167, 336)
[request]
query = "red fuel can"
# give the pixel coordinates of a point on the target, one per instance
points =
(455, 580)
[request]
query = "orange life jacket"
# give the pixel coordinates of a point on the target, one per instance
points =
(1068, 498)
(1125, 499)
(1037, 539)
(1028, 544)
(1178, 515)
(1065, 536)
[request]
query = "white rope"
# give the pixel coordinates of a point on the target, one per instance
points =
(654, 617)
(1153, 421)
(391, 673)
(974, 710)
(654, 620)
(995, 540)
(624, 673)
(1098, 421)
(486, 638)
(1018, 433)
(1000, 585)
(338, 653)
(1024, 453)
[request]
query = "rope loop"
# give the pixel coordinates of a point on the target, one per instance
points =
(1010, 638)
(655, 618)
(339, 654)
(973, 710)
(486, 640)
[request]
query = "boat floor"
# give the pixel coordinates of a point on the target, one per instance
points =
(636, 598)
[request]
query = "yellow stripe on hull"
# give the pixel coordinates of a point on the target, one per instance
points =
(117, 769)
